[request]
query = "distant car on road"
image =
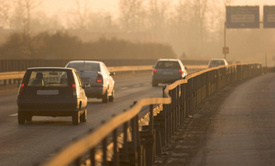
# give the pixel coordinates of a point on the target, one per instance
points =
(217, 62)
(99, 81)
(168, 71)
(51, 91)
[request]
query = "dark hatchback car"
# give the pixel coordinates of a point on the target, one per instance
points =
(168, 71)
(51, 91)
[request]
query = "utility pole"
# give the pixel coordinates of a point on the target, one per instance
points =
(266, 60)
(224, 52)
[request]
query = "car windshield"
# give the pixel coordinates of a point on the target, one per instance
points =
(84, 66)
(48, 78)
(167, 65)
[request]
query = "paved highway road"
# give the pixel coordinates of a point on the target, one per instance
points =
(29, 144)
(235, 127)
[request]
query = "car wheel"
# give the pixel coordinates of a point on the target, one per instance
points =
(21, 118)
(154, 84)
(105, 97)
(75, 118)
(29, 118)
(83, 116)
(111, 98)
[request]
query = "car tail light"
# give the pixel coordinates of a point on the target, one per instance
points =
(21, 89)
(181, 72)
(154, 71)
(99, 78)
(74, 89)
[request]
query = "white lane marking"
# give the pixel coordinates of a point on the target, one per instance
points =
(14, 114)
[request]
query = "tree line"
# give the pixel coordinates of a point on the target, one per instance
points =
(188, 26)
(61, 45)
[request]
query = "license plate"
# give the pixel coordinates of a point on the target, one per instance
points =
(47, 92)
(168, 73)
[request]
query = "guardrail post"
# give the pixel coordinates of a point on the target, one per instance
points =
(185, 100)
(159, 126)
(104, 152)
(148, 140)
(178, 104)
(134, 143)
(171, 110)
(92, 156)
(124, 159)
(165, 128)
(115, 155)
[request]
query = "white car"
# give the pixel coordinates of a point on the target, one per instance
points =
(217, 62)
(97, 79)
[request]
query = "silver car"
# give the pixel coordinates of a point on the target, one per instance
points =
(168, 71)
(97, 79)
(217, 62)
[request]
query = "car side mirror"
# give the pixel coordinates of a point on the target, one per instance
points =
(112, 73)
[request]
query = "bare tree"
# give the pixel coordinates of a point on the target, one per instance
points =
(22, 16)
(132, 14)
(4, 14)
(157, 12)
(79, 15)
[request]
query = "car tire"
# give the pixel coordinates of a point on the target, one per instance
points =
(28, 118)
(105, 97)
(83, 116)
(76, 118)
(154, 84)
(111, 98)
(21, 118)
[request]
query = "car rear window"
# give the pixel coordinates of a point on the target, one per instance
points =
(48, 78)
(168, 65)
(214, 63)
(84, 66)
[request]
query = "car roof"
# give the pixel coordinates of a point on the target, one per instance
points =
(168, 60)
(49, 68)
(84, 61)
(219, 59)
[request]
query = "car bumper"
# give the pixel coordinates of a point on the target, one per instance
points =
(48, 106)
(95, 92)
(160, 79)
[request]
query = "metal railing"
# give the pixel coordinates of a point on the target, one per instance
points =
(124, 140)
(16, 76)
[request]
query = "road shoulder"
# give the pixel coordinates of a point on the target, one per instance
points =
(193, 134)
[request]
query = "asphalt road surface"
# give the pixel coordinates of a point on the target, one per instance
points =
(33, 143)
(235, 127)
(29, 144)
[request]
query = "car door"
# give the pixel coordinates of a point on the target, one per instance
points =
(79, 87)
(109, 79)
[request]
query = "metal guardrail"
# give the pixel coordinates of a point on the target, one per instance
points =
(132, 144)
(16, 76)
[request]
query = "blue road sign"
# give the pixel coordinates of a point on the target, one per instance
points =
(269, 16)
(242, 17)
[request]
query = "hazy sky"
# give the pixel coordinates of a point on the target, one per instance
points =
(57, 6)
